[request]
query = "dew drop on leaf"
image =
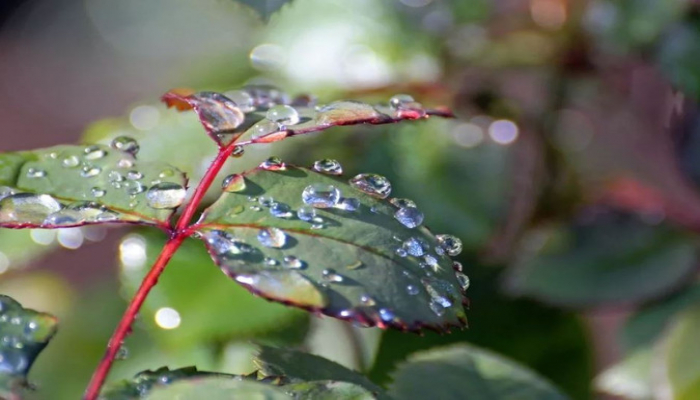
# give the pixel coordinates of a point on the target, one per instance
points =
(94, 153)
(457, 266)
(264, 128)
(320, 195)
(70, 162)
(452, 245)
(330, 275)
(400, 99)
(270, 261)
(386, 315)
(273, 164)
(372, 184)
(367, 300)
(218, 113)
(134, 175)
(243, 100)
(294, 262)
(412, 290)
(348, 204)
(90, 171)
(280, 210)
(165, 195)
(410, 217)
(402, 203)
(233, 183)
(27, 207)
(36, 173)
(266, 201)
(401, 252)
(306, 213)
(414, 246)
(237, 152)
(328, 166)
(272, 237)
(125, 144)
(98, 192)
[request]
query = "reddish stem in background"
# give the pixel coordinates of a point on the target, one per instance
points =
(177, 236)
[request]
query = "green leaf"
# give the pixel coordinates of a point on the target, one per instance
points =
(218, 388)
(303, 367)
(24, 334)
(265, 8)
(328, 390)
(683, 357)
(265, 114)
(467, 372)
(145, 381)
(603, 257)
(210, 307)
(75, 185)
(343, 263)
(631, 378)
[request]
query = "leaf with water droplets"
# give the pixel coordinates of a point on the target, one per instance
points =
(65, 186)
(467, 372)
(269, 115)
(325, 257)
(23, 335)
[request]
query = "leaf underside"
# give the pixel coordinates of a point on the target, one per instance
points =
(66, 186)
(347, 269)
(24, 335)
(222, 120)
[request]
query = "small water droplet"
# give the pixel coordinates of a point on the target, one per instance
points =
(272, 237)
(367, 300)
(125, 163)
(237, 152)
(122, 353)
(386, 315)
(125, 144)
(400, 100)
(402, 203)
(414, 246)
(401, 252)
(165, 195)
(328, 166)
(90, 171)
(137, 188)
(457, 266)
(225, 245)
(331, 276)
(281, 210)
(431, 262)
(293, 262)
(266, 201)
(36, 173)
(166, 173)
(317, 226)
(115, 176)
(437, 307)
(348, 204)
(452, 245)
(270, 261)
(70, 162)
(255, 207)
(134, 175)
(320, 195)
(410, 217)
(463, 281)
(372, 184)
(98, 192)
(283, 114)
(94, 153)
(273, 164)
(306, 213)
(233, 183)
(412, 290)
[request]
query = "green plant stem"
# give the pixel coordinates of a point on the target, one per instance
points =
(177, 236)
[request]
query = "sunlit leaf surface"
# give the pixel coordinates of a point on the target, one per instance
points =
(24, 333)
(466, 372)
(75, 185)
(349, 256)
(683, 370)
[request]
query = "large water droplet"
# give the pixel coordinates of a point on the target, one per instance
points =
(415, 246)
(272, 237)
(218, 113)
(243, 100)
(372, 184)
(320, 195)
(432, 262)
(233, 183)
(452, 245)
(410, 217)
(27, 207)
(288, 285)
(328, 166)
(70, 162)
(165, 195)
(125, 144)
(294, 262)
(273, 164)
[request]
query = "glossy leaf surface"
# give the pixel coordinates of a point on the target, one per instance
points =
(341, 263)
(466, 372)
(75, 185)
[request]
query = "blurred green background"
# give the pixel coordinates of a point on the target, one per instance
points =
(570, 173)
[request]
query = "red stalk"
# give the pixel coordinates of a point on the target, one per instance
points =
(177, 236)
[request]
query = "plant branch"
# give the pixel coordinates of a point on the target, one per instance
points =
(177, 236)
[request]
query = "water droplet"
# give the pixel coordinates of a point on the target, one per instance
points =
(136, 189)
(165, 195)
(348, 204)
(283, 114)
(306, 213)
(414, 246)
(293, 262)
(90, 171)
(233, 183)
(97, 192)
(401, 252)
(281, 210)
(70, 162)
(166, 173)
(243, 100)
(35, 173)
(6, 191)
(122, 353)
(272, 237)
(412, 290)
(289, 285)
(439, 291)
(305, 100)
(386, 315)
(367, 300)
(218, 113)
(237, 152)
(225, 245)
(134, 175)
(63, 217)
(115, 176)
(27, 207)
(317, 225)
(451, 244)
(457, 266)
(125, 163)
(402, 203)
(125, 144)
(273, 164)
(400, 100)
(431, 262)
(270, 261)
(463, 280)
(437, 307)
(264, 128)
(372, 184)
(255, 207)
(328, 166)
(320, 195)
(94, 153)
(330, 275)
(266, 201)
(410, 217)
